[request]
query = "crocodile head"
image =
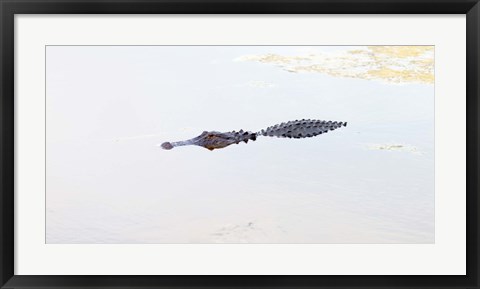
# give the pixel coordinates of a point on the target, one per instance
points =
(217, 140)
(214, 140)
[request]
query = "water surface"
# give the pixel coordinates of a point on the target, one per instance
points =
(108, 108)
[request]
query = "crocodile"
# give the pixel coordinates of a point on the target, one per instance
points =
(303, 128)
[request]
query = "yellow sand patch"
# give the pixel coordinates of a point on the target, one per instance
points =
(395, 64)
(400, 75)
(401, 51)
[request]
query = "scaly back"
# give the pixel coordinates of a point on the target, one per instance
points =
(292, 129)
(301, 128)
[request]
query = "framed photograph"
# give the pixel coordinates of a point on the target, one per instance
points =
(262, 144)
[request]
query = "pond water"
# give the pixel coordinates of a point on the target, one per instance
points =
(108, 181)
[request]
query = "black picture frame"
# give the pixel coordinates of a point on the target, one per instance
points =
(8, 9)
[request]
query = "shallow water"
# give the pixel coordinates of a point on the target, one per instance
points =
(108, 108)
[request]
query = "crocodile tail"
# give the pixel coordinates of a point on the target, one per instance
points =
(301, 128)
